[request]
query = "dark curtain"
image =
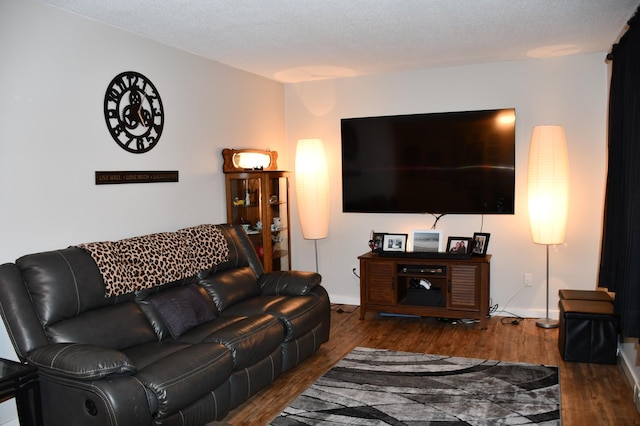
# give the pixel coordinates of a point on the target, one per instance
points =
(620, 252)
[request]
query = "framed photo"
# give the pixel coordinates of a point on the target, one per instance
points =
(426, 240)
(394, 242)
(377, 238)
(459, 244)
(480, 243)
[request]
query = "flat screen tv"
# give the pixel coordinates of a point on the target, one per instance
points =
(439, 163)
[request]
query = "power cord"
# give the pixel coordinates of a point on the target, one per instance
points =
(354, 273)
(515, 320)
(342, 309)
(437, 218)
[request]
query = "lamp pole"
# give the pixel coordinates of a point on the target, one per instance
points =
(547, 322)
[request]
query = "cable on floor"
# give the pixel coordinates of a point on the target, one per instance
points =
(513, 320)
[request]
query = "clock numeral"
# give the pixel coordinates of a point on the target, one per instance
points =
(140, 143)
(133, 80)
(112, 113)
(122, 84)
(113, 94)
(118, 130)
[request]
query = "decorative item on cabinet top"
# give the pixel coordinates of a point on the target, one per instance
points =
(242, 160)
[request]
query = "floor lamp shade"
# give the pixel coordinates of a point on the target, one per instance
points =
(548, 184)
(312, 188)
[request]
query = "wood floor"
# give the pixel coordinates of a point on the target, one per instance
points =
(592, 394)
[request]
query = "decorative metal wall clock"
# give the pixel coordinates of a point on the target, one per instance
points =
(133, 112)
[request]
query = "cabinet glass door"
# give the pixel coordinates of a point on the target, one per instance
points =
(279, 223)
(246, 208)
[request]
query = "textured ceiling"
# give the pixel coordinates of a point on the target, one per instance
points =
(298, 40)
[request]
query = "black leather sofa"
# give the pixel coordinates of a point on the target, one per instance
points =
(183, 352)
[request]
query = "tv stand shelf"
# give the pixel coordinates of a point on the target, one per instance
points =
(459, 287)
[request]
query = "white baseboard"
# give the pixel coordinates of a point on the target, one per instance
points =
(627, 357)
(523, 313)
(627, 368)
(345, 300)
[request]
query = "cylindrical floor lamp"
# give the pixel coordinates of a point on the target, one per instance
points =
(548, 184)
(312, 190)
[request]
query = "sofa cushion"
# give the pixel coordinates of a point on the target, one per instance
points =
(250, 339)
(291, 283)
(231, 286)
(185, 376)
(201, 332)
(299, 314)
(147, 353)
(62, 270)
(116, 327)
(241, 252)
(253, 306)
(176, 310)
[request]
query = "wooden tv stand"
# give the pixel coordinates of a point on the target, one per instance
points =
(459, 287)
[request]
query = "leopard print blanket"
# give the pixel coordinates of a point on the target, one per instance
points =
(139, 263)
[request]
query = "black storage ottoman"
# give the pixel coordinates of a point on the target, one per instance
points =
(593, 295)
(588, 331)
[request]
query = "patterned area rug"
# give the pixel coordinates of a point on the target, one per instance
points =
(380, 387)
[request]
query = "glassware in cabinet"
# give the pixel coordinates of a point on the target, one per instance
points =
(279, 223)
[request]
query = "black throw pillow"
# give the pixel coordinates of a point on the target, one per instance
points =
(182, 309)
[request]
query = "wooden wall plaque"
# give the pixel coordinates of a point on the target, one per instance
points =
(144, 176)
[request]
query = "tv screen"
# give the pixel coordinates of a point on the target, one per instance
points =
(440, 163)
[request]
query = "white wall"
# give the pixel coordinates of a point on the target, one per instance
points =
(571, 91)
(54, 71)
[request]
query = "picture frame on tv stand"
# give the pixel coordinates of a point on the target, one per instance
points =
(394, 242)
(480, 243)
(375, 243)
(459, 245)
(426, 240)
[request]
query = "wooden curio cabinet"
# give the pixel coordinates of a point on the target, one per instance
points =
(259, 200)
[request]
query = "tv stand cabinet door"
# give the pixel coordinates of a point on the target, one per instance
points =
(377, 284)
(464, 287)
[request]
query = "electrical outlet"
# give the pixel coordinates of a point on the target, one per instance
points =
(528, 276)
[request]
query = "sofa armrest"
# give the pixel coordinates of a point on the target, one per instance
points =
(80, 361)
(289, 283)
